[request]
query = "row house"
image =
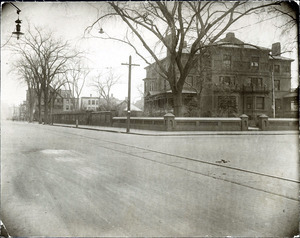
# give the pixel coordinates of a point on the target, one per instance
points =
(240, 79)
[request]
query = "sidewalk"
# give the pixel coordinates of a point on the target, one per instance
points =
(176, 133)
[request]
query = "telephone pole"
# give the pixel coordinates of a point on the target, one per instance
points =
(129, 92)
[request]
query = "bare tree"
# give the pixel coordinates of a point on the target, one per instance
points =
(103, 85)
(47, 58)
(288, 25)
(76, 78)
(201, 81)
(34, 92)
(174, 25)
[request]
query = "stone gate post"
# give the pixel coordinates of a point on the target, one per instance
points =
(169, 120)
(244, 122)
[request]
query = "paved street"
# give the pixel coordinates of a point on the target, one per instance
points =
(58, 181)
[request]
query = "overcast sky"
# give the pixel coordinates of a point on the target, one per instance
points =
(69, 20)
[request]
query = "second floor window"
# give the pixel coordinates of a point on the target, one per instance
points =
(227, 80)
(152, 86)
(287, 69)
(256, 82)
(89, 102)
(227, 61)
(277, 85)
(93, 102)
(254, 64)
(277, 68)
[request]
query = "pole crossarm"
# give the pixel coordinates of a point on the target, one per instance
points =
(129, 92)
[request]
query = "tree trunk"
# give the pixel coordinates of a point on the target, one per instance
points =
(178, 106)
(30, 102)
(40, 110)
(199, 109)
(46, 106)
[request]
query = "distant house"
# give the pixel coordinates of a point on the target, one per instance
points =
(99, 104)
(134, 110)
(59, 100)
(68, 101)
(89, 103)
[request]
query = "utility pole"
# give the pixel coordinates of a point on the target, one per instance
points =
(129, 92)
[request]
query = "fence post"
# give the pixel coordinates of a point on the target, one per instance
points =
(169, 120)
(76, 121)
(113, 113)
(263, 122)
(244, 122)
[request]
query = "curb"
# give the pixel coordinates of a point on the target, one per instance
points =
(187, 134)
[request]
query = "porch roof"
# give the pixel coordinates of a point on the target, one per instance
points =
(291, 95)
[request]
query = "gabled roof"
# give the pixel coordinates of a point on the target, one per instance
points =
(123, 107)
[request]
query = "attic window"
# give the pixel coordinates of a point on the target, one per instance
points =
(254, 63)
(277, 68)
(227, 61)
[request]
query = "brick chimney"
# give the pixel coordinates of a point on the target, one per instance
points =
(276, 49)
(230, 35)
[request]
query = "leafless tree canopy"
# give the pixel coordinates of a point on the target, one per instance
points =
(176, 26)
(44, 63)
(103, 84)
(76, 78)
(289, 13)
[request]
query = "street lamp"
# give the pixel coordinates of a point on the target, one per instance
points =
(18, 29)
(18, 22)
(101, 31)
